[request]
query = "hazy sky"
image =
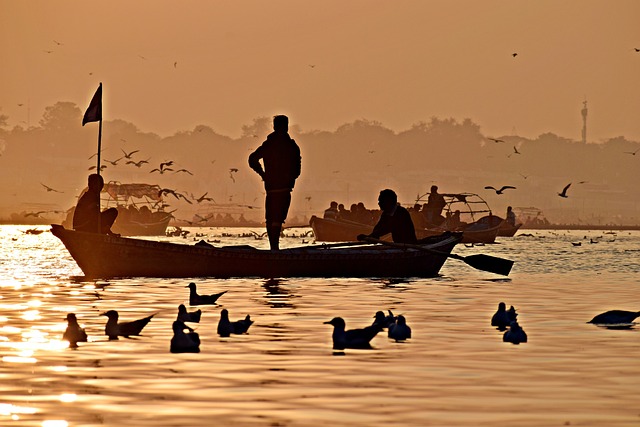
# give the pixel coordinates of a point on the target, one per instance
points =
(170, 65)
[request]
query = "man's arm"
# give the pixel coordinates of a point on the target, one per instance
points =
(254, 162)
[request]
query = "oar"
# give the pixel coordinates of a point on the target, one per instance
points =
(479, 261)
(330, 245)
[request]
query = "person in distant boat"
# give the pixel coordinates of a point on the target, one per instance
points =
(435, 204)
(282, 163)
(331, 212)
(87, 216)
(511, 217)
(394, 219)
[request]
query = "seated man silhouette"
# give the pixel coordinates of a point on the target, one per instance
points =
(394, 219)
(87, 216)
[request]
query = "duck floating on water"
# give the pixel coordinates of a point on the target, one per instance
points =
(501, 317)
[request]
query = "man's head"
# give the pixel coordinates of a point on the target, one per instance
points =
(434, 188)
(95, 182)
(281, 123)
(387, 199)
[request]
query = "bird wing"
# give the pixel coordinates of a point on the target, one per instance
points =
(504, 187)
(134, 327)
(564, 190)
(488, 187)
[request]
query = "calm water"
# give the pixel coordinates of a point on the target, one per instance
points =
(456, 371)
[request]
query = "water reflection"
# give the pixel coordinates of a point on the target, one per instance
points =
(277, 296)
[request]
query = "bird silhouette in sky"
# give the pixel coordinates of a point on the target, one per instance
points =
(164, 167)
(499, 191)
(515, 150)
(174, 194)
(102, 167)
(128, 155)
(203, 198)
(524, 176)
(636, 49)
(114, 162)
(93, 155)
(175, 64)
(49, 189)
(138, 163)
(496, 140)
(564, 191)
(514, 54)
(633, 153)
(35, 214)
(58, 43)
(183, 170)
(231, 172)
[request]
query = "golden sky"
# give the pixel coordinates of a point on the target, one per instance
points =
(170, 65)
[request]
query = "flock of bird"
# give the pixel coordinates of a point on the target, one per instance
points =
(186, 340)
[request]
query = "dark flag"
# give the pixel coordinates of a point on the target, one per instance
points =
(94, 112)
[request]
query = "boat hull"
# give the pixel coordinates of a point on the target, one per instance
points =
(332, 230)
(103, 256)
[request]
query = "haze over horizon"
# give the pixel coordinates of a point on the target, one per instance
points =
(170, 66)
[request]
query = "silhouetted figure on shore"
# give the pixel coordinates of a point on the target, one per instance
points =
(87, 216)
(394, 219)
(282, 162)
(435, 205)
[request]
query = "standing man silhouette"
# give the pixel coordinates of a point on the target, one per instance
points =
(281, 157)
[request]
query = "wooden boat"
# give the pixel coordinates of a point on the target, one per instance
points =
(103, 256)
(140, 209)
(508, 230)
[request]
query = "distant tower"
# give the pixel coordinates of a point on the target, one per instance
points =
(584, 122)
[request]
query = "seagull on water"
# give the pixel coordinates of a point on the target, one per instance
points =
(384, 320)
(399, 331)
(195, 299)
(227, 327)
(501, 318)
(114, 329)
(353, 338)
(184, 342)
(185, 316)
(515, 334)
(615, 317)
(74, 333)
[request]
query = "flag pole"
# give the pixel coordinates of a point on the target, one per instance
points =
(100, 131)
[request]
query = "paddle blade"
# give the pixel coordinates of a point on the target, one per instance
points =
(490, 263)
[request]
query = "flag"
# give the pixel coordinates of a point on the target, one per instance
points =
(94, 112)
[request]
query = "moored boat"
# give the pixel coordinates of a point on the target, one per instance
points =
(508, 230)
(103, 256)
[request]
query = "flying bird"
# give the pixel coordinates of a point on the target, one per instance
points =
(514, 54)
(49, 189)
(35, 214)
(499, 191)
(231, 172)
(564, 191)
(58, 43)
(515, 150)
(114, 162)
(203, 198)
(114, 329)
(524, 176)
(195, 299)
(496, 140)
(636, 49)
(102, 167)
(128, 155)
(183, 170)
(175, 64)
(138, 163)
(633, 153)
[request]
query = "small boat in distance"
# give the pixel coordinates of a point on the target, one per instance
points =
(140, 209)
(103, 256)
